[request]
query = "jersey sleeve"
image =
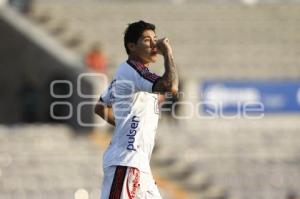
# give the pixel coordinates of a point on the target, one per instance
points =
(106, 96)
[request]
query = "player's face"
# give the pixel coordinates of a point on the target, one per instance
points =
(145, 48)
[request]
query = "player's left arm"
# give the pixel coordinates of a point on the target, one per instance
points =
(105, 112)
(170, 80)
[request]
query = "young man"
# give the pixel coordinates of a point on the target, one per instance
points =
(130, 103)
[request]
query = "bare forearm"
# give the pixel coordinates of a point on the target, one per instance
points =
(169, 81)
(110, 118)
(105, 113)
(170, 76)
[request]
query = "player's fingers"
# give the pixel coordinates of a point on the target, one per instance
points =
(161, 41)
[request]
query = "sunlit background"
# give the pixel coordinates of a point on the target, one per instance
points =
(232, 133)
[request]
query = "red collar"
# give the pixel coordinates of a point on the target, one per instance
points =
(137, 64)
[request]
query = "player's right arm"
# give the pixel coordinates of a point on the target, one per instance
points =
(104, 106)
(105, 112)
(169, 81)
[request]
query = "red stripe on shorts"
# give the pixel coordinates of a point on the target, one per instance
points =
(118, 181)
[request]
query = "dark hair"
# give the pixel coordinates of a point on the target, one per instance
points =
(134, 31)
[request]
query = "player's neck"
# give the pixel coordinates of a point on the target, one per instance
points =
(138, 59)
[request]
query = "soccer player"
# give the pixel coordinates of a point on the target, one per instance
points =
(130, 103)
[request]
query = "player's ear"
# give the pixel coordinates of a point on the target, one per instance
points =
(131, 47)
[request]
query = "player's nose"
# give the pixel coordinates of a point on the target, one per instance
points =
(153, 43)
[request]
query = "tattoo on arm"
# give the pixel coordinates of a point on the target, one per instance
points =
(169, 81)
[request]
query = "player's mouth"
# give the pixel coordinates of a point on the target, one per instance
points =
(154, 51)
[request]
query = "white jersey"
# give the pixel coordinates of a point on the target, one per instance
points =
(135, 108)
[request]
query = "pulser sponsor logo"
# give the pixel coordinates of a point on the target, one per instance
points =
(135, 120)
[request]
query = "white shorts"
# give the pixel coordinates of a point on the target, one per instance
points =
(121, 182)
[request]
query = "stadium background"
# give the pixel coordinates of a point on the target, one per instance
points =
(215, 42)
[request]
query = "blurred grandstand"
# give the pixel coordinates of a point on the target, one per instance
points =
(214, 41)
